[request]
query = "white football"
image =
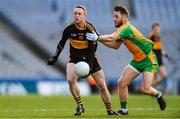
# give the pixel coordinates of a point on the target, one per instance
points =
(82, 69)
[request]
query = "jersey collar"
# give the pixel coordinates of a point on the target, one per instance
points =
(84, 22)
(124, 25)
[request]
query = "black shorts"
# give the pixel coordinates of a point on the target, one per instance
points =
(93, 63)
(158, 54)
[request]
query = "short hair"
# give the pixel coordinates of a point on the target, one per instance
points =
(155, 24)
(82, 7)
(122, 10)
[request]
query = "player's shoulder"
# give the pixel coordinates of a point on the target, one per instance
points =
(126, 26)
(70, 25)
(88, 23)
(90, 26)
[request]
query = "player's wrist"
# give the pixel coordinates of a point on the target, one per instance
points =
(99, 38)
(55, 57)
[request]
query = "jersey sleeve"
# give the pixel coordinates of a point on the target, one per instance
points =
(119, 35)
(62, 42)
(92, 28)
(64, 38)
(125, 33)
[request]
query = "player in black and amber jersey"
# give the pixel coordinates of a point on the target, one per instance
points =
(159, 52)
(82, 50)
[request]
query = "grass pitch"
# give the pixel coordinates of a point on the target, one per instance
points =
(34, 106)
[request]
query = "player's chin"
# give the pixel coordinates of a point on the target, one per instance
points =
(116, 25)
(77, 21)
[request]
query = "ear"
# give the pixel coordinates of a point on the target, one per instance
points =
(124, 17)
(85, 14)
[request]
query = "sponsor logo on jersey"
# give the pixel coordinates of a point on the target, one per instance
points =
(73, 34)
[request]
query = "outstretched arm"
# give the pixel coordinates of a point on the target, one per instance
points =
(59, 48)
(113, 44)
(111, 40)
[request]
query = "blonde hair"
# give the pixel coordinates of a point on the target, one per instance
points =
(82, 7)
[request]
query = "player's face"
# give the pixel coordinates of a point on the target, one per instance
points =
(117, 18)
(157, 29)
(79, 15)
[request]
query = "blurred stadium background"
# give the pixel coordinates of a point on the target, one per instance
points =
(31, 29)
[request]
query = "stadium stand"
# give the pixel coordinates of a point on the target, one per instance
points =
(164, 11)
(45, 20)
(17, 61)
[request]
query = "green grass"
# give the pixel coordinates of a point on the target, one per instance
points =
(63, 107)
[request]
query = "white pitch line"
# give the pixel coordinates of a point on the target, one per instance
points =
(55, 110)
(151, 109)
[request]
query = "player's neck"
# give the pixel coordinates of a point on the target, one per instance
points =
(155, 33)
(125, 21)
(81, 24)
